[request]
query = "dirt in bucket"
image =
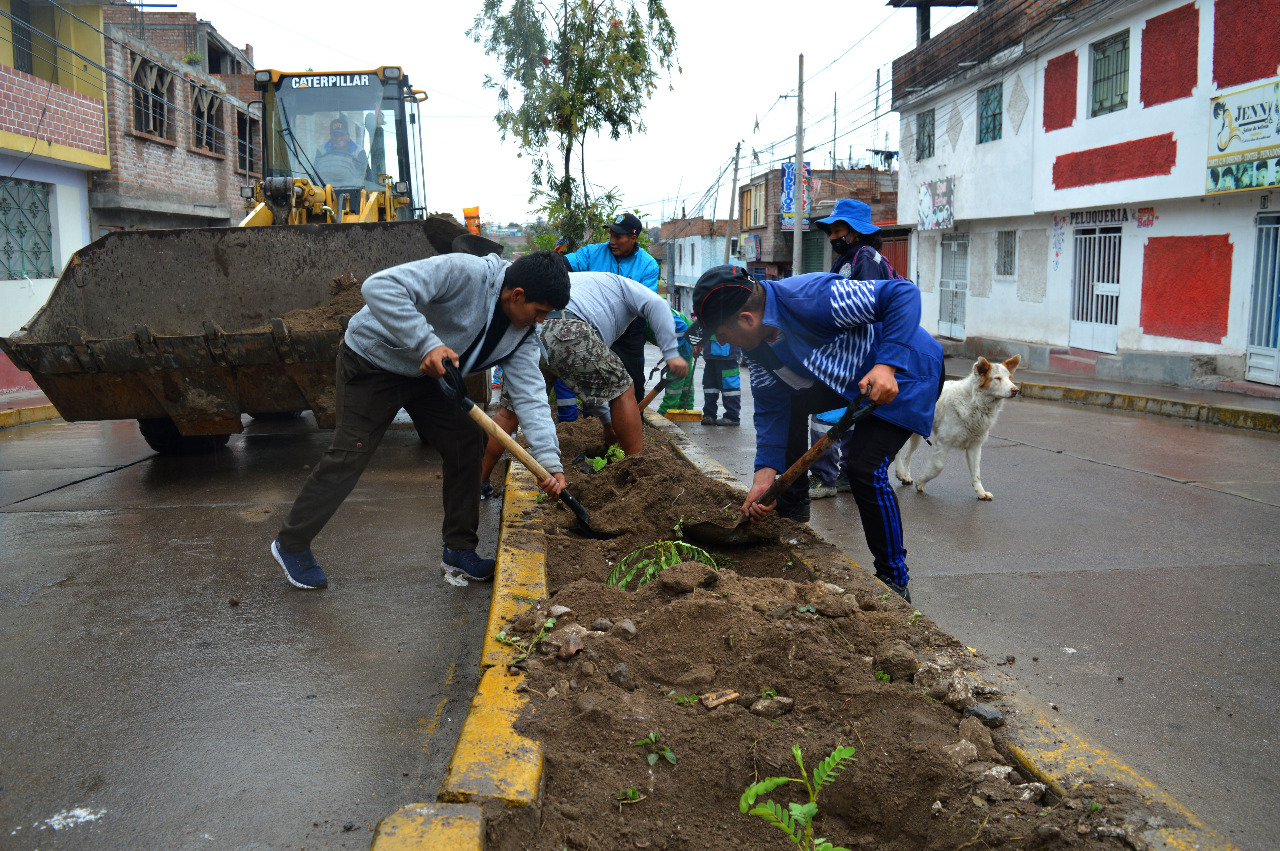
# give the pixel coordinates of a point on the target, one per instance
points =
(657, 708)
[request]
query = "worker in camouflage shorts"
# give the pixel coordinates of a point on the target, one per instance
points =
(576, 344)
(679, 394)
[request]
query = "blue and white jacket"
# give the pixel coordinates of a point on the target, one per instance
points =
(834, 330)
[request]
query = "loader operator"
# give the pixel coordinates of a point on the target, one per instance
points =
(817, 342)
(576, 339)
(623, 256)
(472, 311)
(340, 161)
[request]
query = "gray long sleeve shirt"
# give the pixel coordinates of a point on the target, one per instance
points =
(611, 303)
(448, 300)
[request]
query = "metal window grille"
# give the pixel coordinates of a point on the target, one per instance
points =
(206, 121)
(1110, 74)
(248, 151)
(924, 135)
(1006, 253)
(153, 85)
(27, 240)
(21, 26)
(1264, 331)
(991, 113)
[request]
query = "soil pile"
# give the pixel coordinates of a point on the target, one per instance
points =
(731, 671)
(345, 301)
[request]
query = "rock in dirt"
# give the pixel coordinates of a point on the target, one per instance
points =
(601, 625)
(555, 641)
(961, 753)
(622, 677)
(959, 692)
(560, 611)
(698, 676)
(898, 660)
(973, 730)
(772, 707)
(835, 606)
(783, 611)
(624, 628)
(687, 576)
(986, 713)
(1046, 832)
(572, 644)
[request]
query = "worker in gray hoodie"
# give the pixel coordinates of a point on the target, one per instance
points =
(577, 343)
(473, 312)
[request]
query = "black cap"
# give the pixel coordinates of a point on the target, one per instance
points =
(720, 294)
(625, 223)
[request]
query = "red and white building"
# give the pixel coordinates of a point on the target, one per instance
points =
(1095, 184)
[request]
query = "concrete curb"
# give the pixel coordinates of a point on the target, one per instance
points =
(494, 766)
(1203, 412)
(22, 416)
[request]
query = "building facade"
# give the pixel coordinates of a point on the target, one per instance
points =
(686, 248)
(1094, 183)
(53, 136)
(183, 136)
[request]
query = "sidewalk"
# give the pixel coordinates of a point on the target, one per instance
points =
(1217, 407)
(25, 406)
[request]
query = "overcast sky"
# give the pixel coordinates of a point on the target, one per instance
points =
(737, 59)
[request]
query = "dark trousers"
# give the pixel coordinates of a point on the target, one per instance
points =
(368, 400)
(630, 348)
(713, 386)
(871, 451)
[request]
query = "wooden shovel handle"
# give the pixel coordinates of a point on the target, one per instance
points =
(508, 442)
(798, 469)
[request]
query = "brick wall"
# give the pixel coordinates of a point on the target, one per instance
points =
(69, 119)
(172, 33)
(171, 171)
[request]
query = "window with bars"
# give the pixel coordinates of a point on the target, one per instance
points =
(924, 134)
(1110, 83)
(206, 120)
(26, 243)
(152, 97)
(1006, 253)
(991, 113)
(248, 144)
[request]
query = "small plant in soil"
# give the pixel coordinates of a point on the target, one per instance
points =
(683, 699)
(915, 617)
(654, 748)
(767, 693)
(883, 677)
(629, 795)
(796, 821)
(525, 648)
(645, 563)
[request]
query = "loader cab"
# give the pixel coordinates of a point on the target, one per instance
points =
(348, 130)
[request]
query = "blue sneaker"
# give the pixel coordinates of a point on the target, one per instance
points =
(301, 568)
(464, 565)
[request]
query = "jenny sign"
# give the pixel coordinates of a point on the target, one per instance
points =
(789, 196)
(937, 198)
(1244, 140)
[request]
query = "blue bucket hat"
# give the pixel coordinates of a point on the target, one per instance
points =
(852, 212)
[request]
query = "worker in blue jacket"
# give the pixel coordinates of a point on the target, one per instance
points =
(623, 256)
(720, 375)
(819, 341)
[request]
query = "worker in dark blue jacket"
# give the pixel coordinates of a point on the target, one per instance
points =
(815, 342)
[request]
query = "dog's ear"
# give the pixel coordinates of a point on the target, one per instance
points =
(982, 366)
(1012, 363)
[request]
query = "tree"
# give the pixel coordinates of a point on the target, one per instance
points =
(586, 66)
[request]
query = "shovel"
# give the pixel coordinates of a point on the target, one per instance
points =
(663, 383)
(743, 531)
(453, 387)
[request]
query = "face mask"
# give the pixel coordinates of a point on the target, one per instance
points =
(839, 246)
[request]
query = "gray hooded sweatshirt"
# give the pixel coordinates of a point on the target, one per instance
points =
(448, 300)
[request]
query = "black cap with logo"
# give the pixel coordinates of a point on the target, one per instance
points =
(626, 223)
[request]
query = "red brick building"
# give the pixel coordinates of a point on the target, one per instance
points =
(182, 136)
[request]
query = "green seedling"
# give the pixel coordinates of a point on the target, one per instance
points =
(883, 677)
(915, 616)
(790, 564)
(541, 498)
(808, 607)
(654, 748)
(885, 597)
(525, 648)
(796, 821)
(614, 453)
(645, 563)
(683, 699)
(767, 693)
(1094, 807)
(629, 795)
(678, 529)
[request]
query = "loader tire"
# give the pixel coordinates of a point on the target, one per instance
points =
(163, 436)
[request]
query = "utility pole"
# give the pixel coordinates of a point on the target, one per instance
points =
(733, 196)
(797, 235)
(835, 112)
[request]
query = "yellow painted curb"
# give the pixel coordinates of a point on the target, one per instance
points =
(431, 827)
(1052, 752)
(34, 414)
(521, 574)
(491, 760)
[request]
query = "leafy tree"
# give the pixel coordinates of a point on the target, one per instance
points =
(569, 69)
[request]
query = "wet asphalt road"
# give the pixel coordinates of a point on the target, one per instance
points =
(1136, 558)
(134, 694)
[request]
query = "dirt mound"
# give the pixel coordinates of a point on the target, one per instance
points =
(795, 661)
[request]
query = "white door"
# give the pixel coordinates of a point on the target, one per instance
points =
(953, 284)
(1263, 362)
(1095, 291)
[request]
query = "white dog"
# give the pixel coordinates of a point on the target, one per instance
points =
(966, 411)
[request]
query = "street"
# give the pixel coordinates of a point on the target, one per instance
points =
(1128, 562)
(165, 687)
